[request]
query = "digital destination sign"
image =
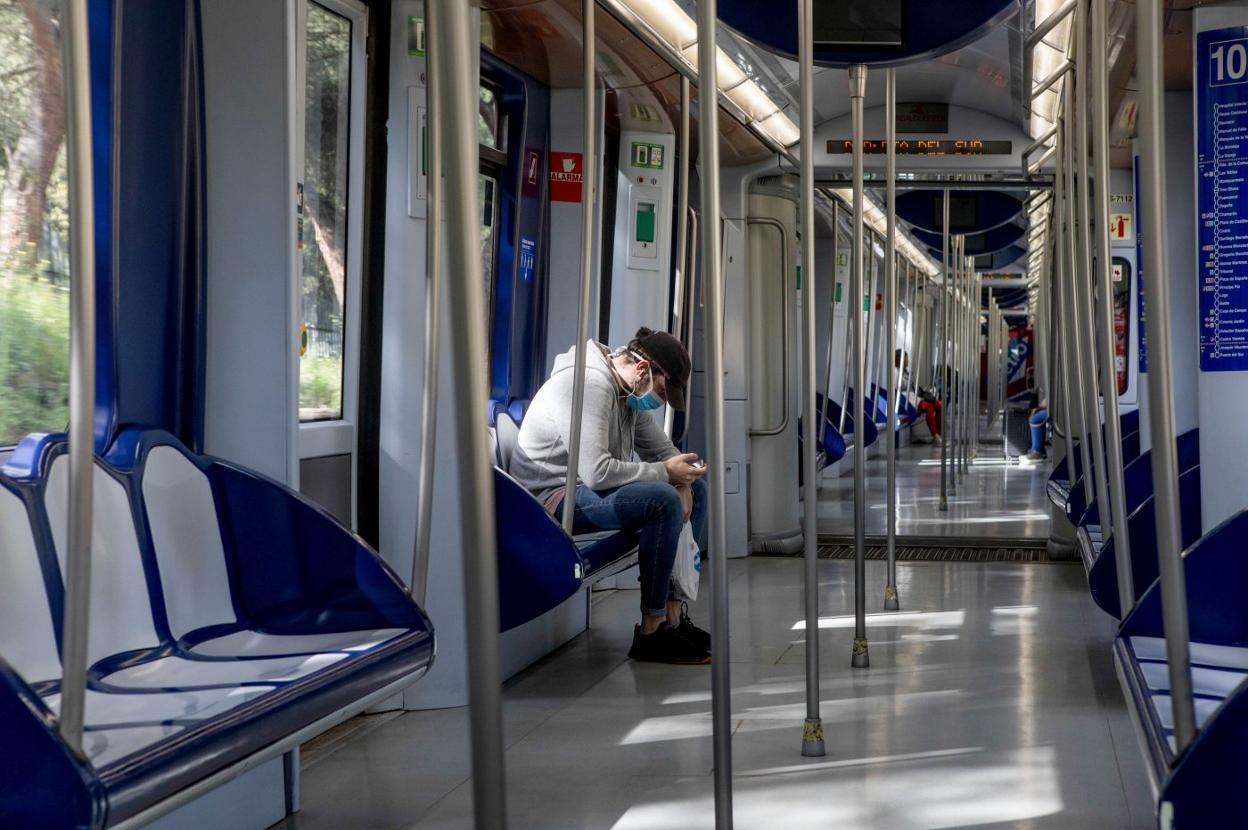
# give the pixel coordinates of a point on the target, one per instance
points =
(927, 147)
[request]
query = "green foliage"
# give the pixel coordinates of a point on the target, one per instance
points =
(320, 388)
(34, 356)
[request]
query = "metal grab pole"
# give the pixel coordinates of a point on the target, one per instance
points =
(456, 74)
(433, 315)
(943, 360)
(1160, 380)
(812, 730)
(955, 354)
(77, 614)
(1071, 293)
(1109, 376)
(588, 58)
(682, 235)
(860, 657)
(890, 323)
(708, 146)
(1057, 278)
(1086, 318)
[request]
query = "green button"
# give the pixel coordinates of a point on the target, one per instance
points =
(645, 225)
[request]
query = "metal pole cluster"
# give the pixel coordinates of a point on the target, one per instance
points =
(1149, 22)
(681, 308)
(708, 145)
(1104, 258)
(812, 730)
(456, 56)
(860, 657)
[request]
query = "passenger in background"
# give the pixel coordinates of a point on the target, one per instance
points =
(1038, 420)
(631, 475)
(929, 406)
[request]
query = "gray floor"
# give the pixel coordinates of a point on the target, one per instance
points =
(991, 703)
(992, 499)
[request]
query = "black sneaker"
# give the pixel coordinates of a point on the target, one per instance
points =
(666, 646)
(691, 632)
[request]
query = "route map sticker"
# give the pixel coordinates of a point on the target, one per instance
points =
(1222, 197)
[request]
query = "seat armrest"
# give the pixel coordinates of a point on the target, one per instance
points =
(294, 568)
(42, 784)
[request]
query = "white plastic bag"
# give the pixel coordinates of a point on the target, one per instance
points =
(688, 566)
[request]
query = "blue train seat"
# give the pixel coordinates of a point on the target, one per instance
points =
(539, 566)
(229, 619)
(1098, 555)
(1203, 786)
(870, 432)
(1137, 478)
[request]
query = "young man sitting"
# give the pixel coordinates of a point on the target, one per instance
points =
(653, 496)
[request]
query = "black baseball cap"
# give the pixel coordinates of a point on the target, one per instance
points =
(669, 356)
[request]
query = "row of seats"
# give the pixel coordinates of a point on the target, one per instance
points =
(1201, 787)
(229, 617)
(539, 566)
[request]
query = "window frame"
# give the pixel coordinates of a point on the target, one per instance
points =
(320, 438)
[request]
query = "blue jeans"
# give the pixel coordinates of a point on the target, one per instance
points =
(653, 510)
(1037, 421)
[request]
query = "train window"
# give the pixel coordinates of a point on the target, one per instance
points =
(327, 111)
(490, 120)
(488, 194)
(34, 223)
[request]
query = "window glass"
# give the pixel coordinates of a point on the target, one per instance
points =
(327, 110)
(488, 120)
(487, 193)
(34, 223)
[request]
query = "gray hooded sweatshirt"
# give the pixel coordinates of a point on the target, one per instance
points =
(611, 433)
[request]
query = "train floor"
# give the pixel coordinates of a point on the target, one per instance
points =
(991, 703)
(992, 499)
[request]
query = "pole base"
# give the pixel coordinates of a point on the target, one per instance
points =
(812, 738)
(861, 659)
(890, 599)
(944, 503)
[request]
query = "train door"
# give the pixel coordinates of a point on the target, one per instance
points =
(329, 145)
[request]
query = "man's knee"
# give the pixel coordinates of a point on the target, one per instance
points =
(700, 489)
(665, 503)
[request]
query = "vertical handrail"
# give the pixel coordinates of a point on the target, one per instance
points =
(890, 322)
(1057, 275)
(682, 234)
(1160, 381)
(942, 375)
(1071, 293)
(691, 293)
(955, 363)
(456, 73)
(1109, 377)
(721, 690)
(812, 729)
(77, 615)
(860, 657)
(1086, 318)
(588, 58)
(418, 584)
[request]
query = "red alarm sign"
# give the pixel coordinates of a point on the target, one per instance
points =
(567, 177)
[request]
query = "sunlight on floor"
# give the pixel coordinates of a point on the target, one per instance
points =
(922, 619)
(964, 788)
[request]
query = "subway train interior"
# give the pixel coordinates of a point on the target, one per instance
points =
(315, 314)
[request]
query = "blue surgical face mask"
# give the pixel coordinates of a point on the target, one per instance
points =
(647, 401)
(644, 403)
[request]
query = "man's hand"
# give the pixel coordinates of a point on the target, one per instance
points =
(686, 499)
(681, 471)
